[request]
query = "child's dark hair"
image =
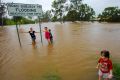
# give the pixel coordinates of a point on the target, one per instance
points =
(102, 52)
(49, 30)
(107, 54)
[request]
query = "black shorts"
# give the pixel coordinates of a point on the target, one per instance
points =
(33, 38)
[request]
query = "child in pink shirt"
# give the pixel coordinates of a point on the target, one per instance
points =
(47, 35)
(105, 66)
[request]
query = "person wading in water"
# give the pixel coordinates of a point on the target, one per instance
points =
(47, 35)
(33, 36)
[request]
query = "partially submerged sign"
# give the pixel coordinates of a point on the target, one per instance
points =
(19, 9)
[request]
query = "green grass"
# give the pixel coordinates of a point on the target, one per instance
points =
(116, 71)
(51, 76)
(46, 76)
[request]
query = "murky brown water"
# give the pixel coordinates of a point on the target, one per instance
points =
(73, 55)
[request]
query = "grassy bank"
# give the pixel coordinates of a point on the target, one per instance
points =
(116, 71)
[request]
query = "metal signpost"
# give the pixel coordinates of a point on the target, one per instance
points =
(40, 30)
(19, 9)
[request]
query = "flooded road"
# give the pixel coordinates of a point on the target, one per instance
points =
(73, 56)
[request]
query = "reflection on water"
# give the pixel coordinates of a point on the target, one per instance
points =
(70, 57)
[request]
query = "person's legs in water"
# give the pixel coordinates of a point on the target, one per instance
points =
(106, 79)
(49, 42)
(33, 41)
(99, 78)
(100, 75)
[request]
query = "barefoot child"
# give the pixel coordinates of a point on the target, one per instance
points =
(105, 66)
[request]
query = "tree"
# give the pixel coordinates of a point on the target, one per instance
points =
(72, 15)
(76, 10)
(75, 4)
(86, 13)
(58, 8)
(2, 13)
(110, 14)
(47, 16)
(54, 18)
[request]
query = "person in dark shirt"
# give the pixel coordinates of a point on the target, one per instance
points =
(51, 36)
(33, 36)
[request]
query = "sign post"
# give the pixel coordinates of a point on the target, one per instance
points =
(40, 29)
(19, 9)
(18, 31)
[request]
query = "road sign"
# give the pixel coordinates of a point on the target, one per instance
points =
(19, 9)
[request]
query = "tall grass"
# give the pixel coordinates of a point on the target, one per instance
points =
(116, 71)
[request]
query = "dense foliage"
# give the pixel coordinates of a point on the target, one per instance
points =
(110, 14)
(74, 11)
(2, 13)
(58, 9)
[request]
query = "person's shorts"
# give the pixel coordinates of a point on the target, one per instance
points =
(104, 75)
(33, 38)
(47, 37)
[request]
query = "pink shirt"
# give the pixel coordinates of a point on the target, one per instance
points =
(47, 35)
(105, 65)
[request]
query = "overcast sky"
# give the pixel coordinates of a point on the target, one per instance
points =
(97, 5)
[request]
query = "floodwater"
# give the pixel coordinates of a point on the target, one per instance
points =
(73, 55)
